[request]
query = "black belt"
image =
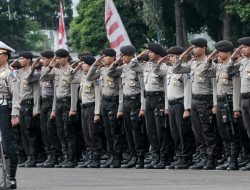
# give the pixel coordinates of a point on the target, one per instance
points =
(90, 104)
(176, 101)
(224, 98)
(27, 102)
(64, 99)
(110, 98)
(47, 99)
(202, 97)
(245, 95)
(153, 93)
(132, 97)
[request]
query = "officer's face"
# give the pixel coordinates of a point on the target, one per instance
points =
(85, 67)
(223, 56)
(107, 60)
(127, 58)
(198, 51)
(245, 51)
(3, 58)
(62, 60)
(46, 61)
(153, 56)
(24, 62)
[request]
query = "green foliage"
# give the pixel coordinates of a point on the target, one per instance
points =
(241, 8)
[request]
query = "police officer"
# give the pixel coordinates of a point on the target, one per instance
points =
(47, 125)
(228, 129)
(131, 86)
(9, 116)
(202, 102)
(178, 93)
(154, 105)
(65, 104)
(90, 112)
(111, 106)
(29, 97)
(240, 62)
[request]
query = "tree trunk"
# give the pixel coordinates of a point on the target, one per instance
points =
(226, 26)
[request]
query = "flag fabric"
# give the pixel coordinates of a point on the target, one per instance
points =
(116, 33)
(62, 39)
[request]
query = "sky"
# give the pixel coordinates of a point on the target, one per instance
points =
(74, 6)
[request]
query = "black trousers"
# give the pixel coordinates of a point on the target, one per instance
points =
(112, 125)
(203, 126)
(8, 140)
(48, 128)
(135, 134)
(92, 131)
(158, 131)
(231, 142)
(29, 128)
(245, 109)
(180, 129)
(65, 129)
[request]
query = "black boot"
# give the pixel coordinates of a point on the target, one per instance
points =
(224, 165)
(42, 164)
(108, 162)
(140, 162)
(10, 184)
(233, 164)
(245, 168)
(51, 162)
(184, 163)
(131, 163)
(71, 163)
(210, 164)
(89, 158)
(95, 162)
(32, 163)
(155, 161)
(162, 164)
(199, 165)
(63, 161)
(21, 165)
(117, 161)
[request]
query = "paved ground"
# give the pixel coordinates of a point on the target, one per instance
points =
(132, 179)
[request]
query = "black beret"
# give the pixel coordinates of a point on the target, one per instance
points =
(128, 50)
(109, 52)
(156, 48)
(88, 59)
(84, 53)
(62, 53)
(224, 46)
(164, 53)
(244, 41)
(26, 54)
(176, 50)
(47, 54)
(200, 42)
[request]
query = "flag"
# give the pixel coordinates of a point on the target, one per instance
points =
(62, 39)
(116, 33)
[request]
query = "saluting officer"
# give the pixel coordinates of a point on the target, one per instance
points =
(111, 105)
(203, 100)
(132, 105)
(65, 105)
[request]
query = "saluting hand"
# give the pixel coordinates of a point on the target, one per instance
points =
(53, 63)
(184, 55)
(36, 63)
(78, 67)
(212, 56)
(117, 61)
(236, 54)
(98, 62)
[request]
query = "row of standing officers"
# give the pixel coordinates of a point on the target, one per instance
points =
(185, 108)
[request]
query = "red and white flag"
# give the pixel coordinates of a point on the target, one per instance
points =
(116, 33)
(62, 39)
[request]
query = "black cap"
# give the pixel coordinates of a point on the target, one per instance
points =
(84, 54)
(128, 50)
(164, 53)
(244, 41)
(26, 54)
(200, 42)
(224, 46)
(156, 48)
(62, 53)
(176, 50)
(109, 52)
(88, 59)
(47, 54)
